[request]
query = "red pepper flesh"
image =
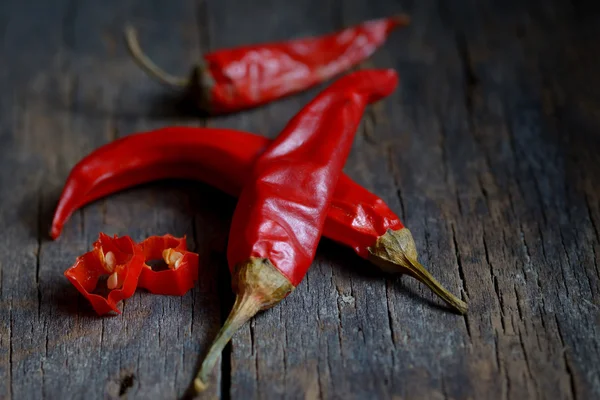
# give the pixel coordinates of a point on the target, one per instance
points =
(223, 158)
(279, 217)
(183, 266)
(118, 256)
(247, 76)
(284, 205)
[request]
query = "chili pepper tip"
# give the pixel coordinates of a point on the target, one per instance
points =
(199, 386)
(55, 231)
(395, 251)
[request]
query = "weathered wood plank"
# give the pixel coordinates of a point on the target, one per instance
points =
(65, 105)
(23, 174)
(488, 152)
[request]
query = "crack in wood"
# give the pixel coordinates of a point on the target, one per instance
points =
(596, 232)
(40, 232)
(285, 337)
(471, 82)
(471, 85)
(580, 263)
(499, 366)
(102, 335)
(543, 247)
(159, 325)
(461, 273)
(519, 306)
(591, 218)
(444, 388)
(254, 349)
(395, 179)
(389, 314)
(540, 196)
(568, 367)
(226, 302)
(562, 270)
(319, 383)
(11, 350)
(528, 365)
(485, 194)
(126, 383)
(494, 281)
(595, 261)
(339, 309)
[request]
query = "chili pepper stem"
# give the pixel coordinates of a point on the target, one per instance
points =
(259, 286)
(147, 64)
(401, 19)
(199, 84)
(395, 251)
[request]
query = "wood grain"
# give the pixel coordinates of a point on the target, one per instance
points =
(488, 152)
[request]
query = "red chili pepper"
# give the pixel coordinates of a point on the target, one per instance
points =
(118, 257)
(223, 158)
(182, 270)
(279, 217)
(244, 77)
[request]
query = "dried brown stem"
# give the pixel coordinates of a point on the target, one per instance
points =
(258, 285)
(147, 64)
(395, 252)
(401, 19)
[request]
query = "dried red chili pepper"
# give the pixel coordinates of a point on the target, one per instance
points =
(182, 270)
(119, 258)
(244, 77)
(223, 158)
(281, 211)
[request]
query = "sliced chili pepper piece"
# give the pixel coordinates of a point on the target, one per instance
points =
(119, 258)
(182, 272)
(243, 77)
(223, 158)
(279, 217)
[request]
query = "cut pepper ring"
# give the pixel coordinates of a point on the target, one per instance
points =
(183, 266)
(119, 258)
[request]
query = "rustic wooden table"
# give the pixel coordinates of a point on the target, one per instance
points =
(488, 151)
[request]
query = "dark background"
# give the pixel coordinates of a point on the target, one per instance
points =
(488, 152)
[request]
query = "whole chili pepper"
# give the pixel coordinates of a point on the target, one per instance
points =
(223, 158)
(182, 265)
(118, 257)
(279, 217)
(244, 77)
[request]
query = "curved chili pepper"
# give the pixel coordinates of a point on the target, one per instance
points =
(223, 158)
(279, 217)
(118, 257)
(182, 270)
(244, 77)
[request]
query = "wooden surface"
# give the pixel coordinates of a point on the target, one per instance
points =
(488, 151)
